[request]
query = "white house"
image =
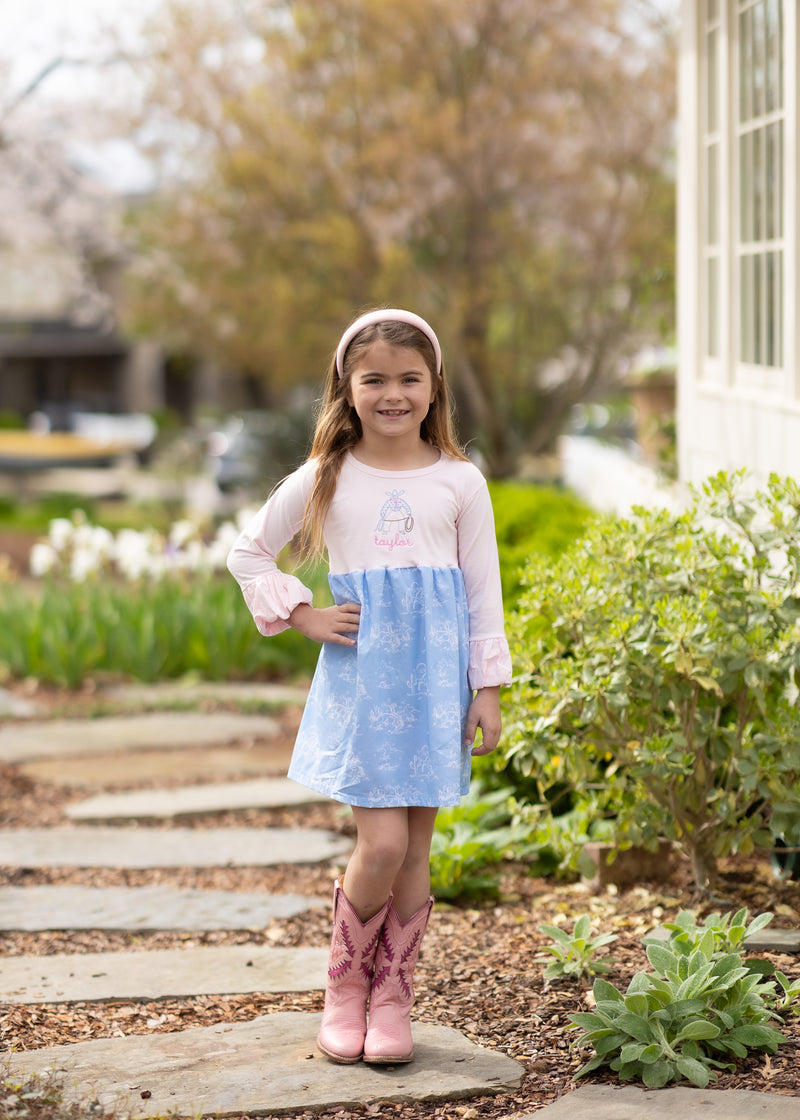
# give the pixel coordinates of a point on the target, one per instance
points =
(739, 238)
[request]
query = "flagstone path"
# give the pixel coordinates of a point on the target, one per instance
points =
(268, 1065)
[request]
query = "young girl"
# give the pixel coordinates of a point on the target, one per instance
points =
(413, 651)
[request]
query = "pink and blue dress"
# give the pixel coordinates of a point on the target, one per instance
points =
(384, 722)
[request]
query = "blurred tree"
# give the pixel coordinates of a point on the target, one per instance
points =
(500, 166)
(59, 238)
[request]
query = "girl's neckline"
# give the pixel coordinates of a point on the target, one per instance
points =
(381, 471)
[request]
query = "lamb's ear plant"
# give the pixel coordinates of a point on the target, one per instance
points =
(700, 1008)
(576, 953)
(730, 931)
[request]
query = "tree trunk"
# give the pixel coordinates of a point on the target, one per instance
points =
(704, 867)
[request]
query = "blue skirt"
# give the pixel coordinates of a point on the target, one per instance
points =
(384, 722)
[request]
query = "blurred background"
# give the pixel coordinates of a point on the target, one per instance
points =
(197, 197)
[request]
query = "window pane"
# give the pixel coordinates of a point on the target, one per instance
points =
(757, 180)
(773, 40)
(745, 65)
(712, 109)
(759, 60)
(746, 187)
(773, 309)
(712, 308)
(746, 309)
(774, 224)
(712, 195)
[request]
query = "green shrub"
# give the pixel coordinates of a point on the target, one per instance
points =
(469, 840)
(657, 663)
(533, 521)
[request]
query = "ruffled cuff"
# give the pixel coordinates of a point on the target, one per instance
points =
(272, 598)
(489, 663)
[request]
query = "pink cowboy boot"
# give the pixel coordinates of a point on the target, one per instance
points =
(389, 1032)
(350, 966)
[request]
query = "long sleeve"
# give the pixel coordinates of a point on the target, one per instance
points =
(489, 656)
(271, 594)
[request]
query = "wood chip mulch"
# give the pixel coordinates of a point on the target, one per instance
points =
(480, 971)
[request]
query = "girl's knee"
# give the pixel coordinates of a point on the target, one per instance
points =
(386, 854)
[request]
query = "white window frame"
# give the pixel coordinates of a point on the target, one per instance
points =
(724, 366)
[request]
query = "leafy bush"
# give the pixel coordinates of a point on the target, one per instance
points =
(701, 1007)
(575, 955)
(469, 840)
(658, 664)
(533, 521)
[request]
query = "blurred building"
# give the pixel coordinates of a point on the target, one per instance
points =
(62, 351)
(739, 238)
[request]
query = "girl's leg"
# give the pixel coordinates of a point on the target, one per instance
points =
(388, 1037)
(412, 883)
(382, 843)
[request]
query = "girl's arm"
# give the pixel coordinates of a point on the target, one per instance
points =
(271, 594)
(489, 657)
(484, 713)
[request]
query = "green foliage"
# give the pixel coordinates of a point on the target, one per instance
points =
(658, 662)
(34, 1097)
(701, 1007)
(575, 955)
(533, 521)
(729, 932)
(36, 515)
(469, 840)
(153, 630)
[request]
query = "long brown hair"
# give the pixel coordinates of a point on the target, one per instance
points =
(338, 427)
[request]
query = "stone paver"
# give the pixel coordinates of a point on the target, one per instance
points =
(172, 692)
(16, 707)
(188, 764)
(144, 908)
(65, 737)
(266, 1066)
(764, 941)
(174, 847)
(161, 974)
(257, 793)
(774, 941)
(629, 1102)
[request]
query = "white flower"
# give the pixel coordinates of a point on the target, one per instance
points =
(85, 561)
(181, 532)
(43, 559)
(60, 533)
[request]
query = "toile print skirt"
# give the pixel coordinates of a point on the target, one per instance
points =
(384, 721)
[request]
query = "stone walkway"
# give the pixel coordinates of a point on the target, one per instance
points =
(269, 1065)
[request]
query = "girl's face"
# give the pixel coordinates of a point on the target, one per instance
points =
(391, 389)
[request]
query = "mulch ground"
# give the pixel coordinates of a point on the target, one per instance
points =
(480, 971)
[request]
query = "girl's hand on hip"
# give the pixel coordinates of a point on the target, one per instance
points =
(484, 713)
(327, 624)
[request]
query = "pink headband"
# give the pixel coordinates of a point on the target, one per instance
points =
(391, 315)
